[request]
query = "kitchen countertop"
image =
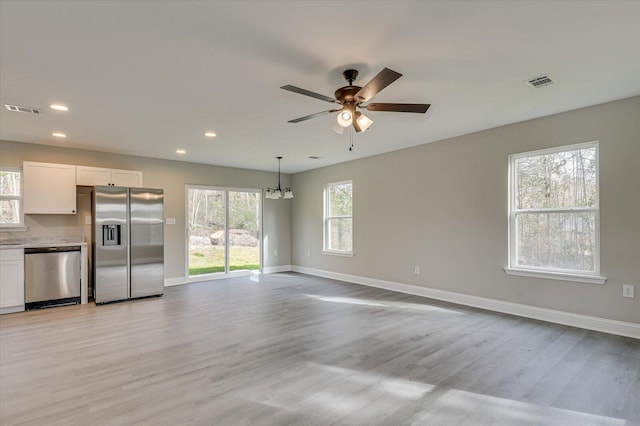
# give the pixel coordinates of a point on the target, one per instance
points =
(17, 243)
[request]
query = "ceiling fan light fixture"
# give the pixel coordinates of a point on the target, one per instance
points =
(362, 122)
(345, 118)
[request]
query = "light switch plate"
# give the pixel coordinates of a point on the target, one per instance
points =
(170, 221)
(87, 220)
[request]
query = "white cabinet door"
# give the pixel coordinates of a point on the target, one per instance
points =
(126, 178)
(91, 176)
(11, 280)
(49, 188)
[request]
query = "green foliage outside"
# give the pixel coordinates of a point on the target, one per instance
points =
(207, 260)
(207, 211)
(341, 200)
(215, 269)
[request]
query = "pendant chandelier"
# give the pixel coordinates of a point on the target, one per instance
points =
(276, 193)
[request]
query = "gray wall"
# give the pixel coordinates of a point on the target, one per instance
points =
(443, 206)
(170, 176)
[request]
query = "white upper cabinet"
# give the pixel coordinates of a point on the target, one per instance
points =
(91, 176)
(49, 188)
(126, 178)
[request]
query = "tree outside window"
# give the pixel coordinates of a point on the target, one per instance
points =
(11, 214)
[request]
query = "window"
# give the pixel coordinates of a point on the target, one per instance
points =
(554, 212)
(11, 215)
(338, 220)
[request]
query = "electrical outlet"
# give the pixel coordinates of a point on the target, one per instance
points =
(628, 290)
(87, 220)
(275, 252)
(416, 270)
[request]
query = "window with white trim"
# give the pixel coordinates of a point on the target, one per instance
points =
(554, 211)
(338, 219)
(11, 214)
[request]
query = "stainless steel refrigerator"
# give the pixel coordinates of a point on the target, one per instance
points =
(128, 243)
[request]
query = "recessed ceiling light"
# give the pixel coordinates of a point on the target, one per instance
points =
(210, 134)
(59, 107)
(180, 151)
(59, 135)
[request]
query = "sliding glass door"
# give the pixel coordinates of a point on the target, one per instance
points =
(244, 230)
(223, 231)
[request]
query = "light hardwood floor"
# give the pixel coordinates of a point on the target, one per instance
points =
(293, 349)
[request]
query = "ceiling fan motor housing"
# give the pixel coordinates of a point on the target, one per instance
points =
(346, 95)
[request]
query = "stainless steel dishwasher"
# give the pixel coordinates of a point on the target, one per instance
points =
(52, 276)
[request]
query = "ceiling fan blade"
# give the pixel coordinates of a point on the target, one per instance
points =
(419, 108)
(377, 83)
(295, 89)
(309, 117)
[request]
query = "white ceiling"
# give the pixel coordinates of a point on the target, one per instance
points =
(147, 77)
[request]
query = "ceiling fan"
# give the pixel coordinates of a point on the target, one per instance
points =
(352, 97)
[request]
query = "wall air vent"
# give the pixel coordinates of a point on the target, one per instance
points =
(540, 81)
(18, 108)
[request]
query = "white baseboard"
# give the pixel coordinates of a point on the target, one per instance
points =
(620, 328)
(170, 282)
(274, 269)
(12, 309)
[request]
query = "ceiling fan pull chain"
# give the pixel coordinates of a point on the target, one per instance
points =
(351, 140)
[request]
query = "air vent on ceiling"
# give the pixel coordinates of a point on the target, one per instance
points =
(18, 108)
(314, 157)
(540, 81)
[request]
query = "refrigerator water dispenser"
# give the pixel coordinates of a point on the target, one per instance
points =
(111, 235)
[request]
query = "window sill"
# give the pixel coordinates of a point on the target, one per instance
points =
(13, 228)
(589, 279)
(339, 253)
